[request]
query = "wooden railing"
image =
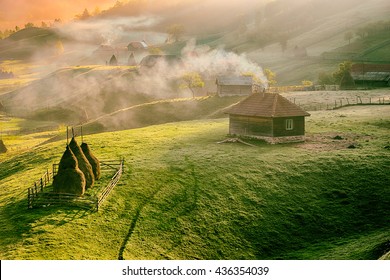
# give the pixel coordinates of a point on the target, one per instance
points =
(41, 195)
(113, 182)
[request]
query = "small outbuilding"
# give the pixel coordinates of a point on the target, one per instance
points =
(234, 85)
(268, 116)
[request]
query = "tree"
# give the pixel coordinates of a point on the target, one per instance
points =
(175, 31)
(97, 11)
(361, 32)
(155, 50)
(17, 28)
(192, 80)
(43, 24)
(340, 73)
(348, 36)
(307, 83)
(118, 4)
(85, 15)
(325, 79)
(29, 25)
(271, 77)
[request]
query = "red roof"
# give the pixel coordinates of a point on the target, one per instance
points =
(270, 105)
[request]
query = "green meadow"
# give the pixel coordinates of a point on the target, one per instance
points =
(184, 196)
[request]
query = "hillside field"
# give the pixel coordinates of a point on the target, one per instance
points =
(184, 196)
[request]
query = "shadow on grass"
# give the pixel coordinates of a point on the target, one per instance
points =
(18, 221)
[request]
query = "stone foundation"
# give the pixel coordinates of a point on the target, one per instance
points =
(277, 140)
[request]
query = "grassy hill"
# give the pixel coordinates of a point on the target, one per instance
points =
(74, 91)
(184, 196)
(25, 43)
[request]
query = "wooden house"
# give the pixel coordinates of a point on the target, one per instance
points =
(233, 85)
(371, 75)
(268, 116)
(137, 46)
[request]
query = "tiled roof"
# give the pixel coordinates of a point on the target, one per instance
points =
(266, 105)
(234, 80)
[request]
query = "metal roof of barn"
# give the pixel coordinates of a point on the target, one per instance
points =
(372, 76)
(234, 80)
(270, 105)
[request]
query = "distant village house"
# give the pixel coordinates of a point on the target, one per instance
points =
(268, 116)
(234, 85)
(137, 46)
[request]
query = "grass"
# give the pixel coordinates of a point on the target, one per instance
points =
(20, 135)
(183, 196)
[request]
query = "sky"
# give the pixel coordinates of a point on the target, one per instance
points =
(19, 12)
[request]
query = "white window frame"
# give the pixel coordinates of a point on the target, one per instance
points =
(289, 124)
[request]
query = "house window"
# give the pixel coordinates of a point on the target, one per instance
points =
(289, 124)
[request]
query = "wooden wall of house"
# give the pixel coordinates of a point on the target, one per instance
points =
(279, 126)
(242, 125)
(234, 90)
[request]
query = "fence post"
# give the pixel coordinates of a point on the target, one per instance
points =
(29, 199)
(41, 185)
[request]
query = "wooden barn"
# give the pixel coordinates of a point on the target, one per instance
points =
(233, 85)
(268, 116)
(371, 75)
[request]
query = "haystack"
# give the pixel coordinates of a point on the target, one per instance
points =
(95, 163)
(113, 61)
(3, 148)
(131, 60)
(69, 178)
(83, 163)
(347, 82)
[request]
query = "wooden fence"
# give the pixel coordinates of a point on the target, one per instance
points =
(42, 195)
(343, 102)
(106, 191)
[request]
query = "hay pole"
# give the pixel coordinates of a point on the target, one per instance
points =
(81, 131)
(67, 136)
